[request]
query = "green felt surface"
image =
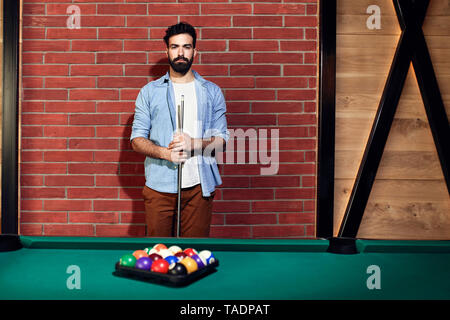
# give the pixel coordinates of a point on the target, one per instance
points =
(249, 269)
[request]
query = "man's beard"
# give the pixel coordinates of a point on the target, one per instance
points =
(182, 68)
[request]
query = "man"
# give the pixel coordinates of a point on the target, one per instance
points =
(154, 134)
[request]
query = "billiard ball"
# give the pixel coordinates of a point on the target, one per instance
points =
(128, 260)
(150, 250)
(171, 259)
(165, 253)
(139, 254)
(155, 256)
(180, 255)
(144, 263)
(161, 266)
(190, 264)
(200, 262)
(177, 269)
(190, 252)
(207, 256)
(175, 249)
(158, 247)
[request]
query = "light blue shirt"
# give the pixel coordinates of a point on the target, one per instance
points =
(154, 119)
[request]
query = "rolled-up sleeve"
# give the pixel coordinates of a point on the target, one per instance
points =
(218, 126)
(141, 123)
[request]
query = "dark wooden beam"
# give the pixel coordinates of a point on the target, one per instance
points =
(327, 110)
(10, 181)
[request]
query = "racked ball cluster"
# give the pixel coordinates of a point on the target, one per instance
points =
(172, 260)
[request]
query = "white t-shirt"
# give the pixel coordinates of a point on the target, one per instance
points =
(190, 173)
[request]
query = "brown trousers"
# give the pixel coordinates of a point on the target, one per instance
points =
(161, 212)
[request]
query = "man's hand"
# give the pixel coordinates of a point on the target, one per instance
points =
(180, 147)
(182, 141)
(177, 156)
(149, 149)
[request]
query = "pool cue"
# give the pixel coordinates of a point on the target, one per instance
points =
(180, 166)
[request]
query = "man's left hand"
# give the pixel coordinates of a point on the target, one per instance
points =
(181, 142)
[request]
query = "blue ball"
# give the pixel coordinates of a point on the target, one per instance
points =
(144, 263)
(171, 259)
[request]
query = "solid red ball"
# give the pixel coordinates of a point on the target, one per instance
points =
(161, 266)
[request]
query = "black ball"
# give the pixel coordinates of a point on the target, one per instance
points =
(178, 269)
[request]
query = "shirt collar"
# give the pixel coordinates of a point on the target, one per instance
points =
(166, 79)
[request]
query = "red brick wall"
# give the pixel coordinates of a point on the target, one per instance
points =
(79, 176)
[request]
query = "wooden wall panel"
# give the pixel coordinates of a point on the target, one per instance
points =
(409, 199)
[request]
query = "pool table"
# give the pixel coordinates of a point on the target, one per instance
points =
(40, 268)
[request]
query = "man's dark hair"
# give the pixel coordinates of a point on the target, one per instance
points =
(180, 28)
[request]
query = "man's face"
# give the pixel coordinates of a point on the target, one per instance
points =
(181, 52)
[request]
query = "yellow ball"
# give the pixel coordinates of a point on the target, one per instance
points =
(190, 264)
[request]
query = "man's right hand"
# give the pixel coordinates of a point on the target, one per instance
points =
(148, 148)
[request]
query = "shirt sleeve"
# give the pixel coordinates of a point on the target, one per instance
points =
(141, 123)
(219, 122)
